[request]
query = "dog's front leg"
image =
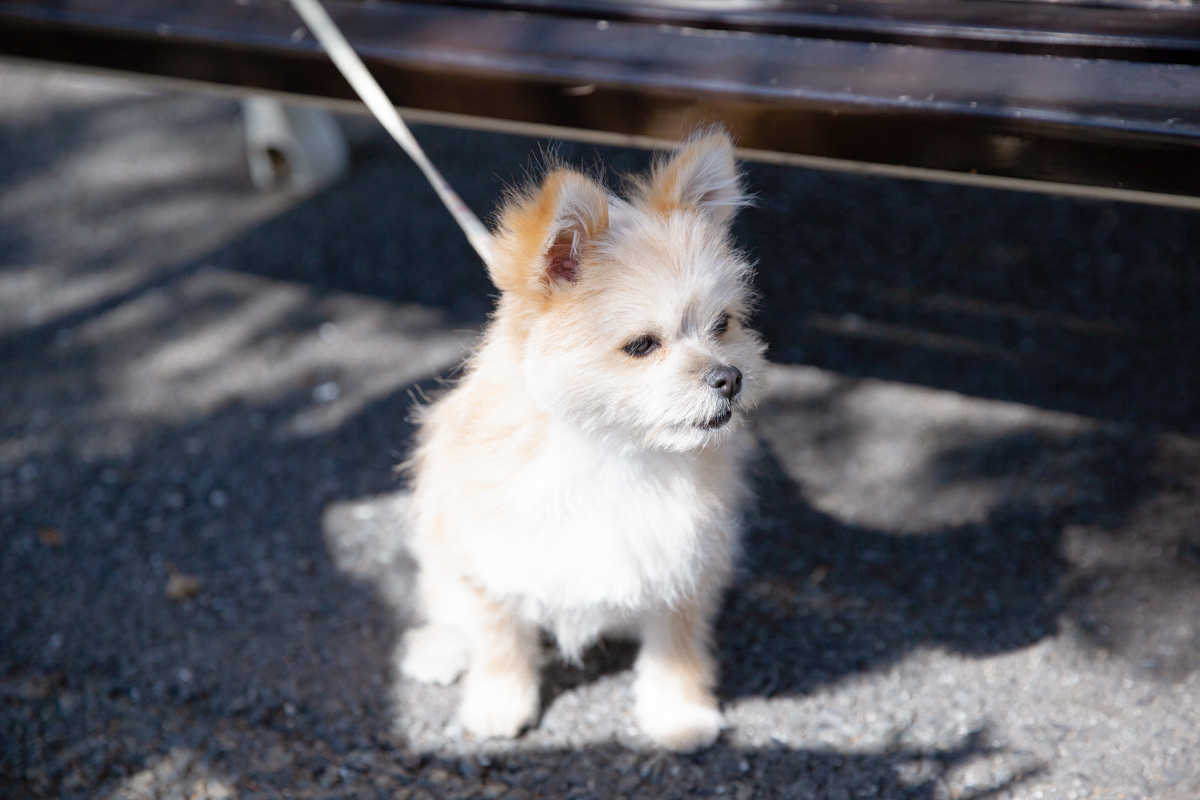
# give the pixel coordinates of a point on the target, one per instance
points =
(675, 705)
(500, 689)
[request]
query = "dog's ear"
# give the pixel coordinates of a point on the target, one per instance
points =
(545, 233)
(701, 176)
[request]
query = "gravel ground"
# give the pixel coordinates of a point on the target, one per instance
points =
(973, 571)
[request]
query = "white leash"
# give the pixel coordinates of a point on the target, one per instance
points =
(361, 80)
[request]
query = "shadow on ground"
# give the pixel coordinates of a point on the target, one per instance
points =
(123, 468)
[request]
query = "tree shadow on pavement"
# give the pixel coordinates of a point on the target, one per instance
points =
(273, 676)
(818, 599)
(204, 424)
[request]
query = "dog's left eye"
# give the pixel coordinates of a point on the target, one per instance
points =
(641, 346)
(721, 325)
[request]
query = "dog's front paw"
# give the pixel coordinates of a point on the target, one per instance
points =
(498, 705)
(434, 654)
(678, 724)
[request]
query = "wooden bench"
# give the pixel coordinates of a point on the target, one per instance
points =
(1096, 99)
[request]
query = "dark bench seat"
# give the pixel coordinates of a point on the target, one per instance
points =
(1102, 97)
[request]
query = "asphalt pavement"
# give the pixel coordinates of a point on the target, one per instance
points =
(973, 570)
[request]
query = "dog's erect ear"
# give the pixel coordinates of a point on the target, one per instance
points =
(702, 176)
(545, 234)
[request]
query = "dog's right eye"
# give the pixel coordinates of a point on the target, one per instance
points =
(641, 346)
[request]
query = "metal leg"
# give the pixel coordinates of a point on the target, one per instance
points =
(293, 147)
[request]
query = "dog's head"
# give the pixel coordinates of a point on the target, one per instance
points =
(629, 316)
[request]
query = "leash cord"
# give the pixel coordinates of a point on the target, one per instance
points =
(364, 84)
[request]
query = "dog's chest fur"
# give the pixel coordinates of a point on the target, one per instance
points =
(582, 535)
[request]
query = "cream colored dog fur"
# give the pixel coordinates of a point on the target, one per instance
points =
(585, 474)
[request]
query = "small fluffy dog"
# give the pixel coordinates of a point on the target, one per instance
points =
(585, 475)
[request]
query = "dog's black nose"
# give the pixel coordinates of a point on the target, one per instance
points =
(726, 380)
